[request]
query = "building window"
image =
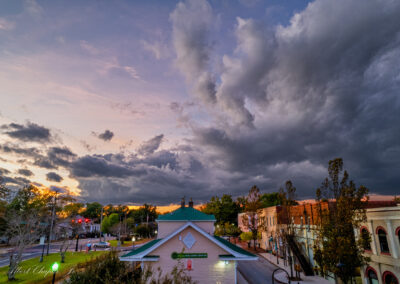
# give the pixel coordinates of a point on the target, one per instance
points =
(366, 239)
(389, 278)
(371, 276)
(383, 243)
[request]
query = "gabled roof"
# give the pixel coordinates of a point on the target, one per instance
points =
(233, 246)
(235, 252)
(186, 214)
(142, 248)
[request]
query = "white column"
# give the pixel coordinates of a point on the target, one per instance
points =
(235, 271)
(372, 232)
(393, 248)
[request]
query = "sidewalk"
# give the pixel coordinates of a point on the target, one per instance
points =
(281, 276)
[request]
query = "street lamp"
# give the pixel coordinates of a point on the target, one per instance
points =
(42, 239)
(77, 242)
(133, 242)
(54, 268)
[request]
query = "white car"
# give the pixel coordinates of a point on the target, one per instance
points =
(102, 245)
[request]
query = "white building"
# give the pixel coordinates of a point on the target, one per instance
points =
(383, 224)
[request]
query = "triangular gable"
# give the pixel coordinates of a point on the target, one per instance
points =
(237, 253)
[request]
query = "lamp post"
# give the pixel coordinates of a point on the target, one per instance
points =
(42, 240)
(54, 268)
(133, 242)
(77, 240)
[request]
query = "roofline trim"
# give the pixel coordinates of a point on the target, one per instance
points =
(194, 226)
(238, 258)
(128, 258)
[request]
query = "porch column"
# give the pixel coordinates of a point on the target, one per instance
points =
(235, 271)
(393, 247)
(372, 232)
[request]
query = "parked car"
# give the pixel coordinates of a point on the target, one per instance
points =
(102, 245)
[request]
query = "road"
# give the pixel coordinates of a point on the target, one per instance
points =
(257, 272)
(36, 250)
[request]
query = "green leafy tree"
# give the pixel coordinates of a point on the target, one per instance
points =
(109, 222)
(93, 211)
(144, 214)
(4, 194)
(143, 230)
(227, 229)
(109, 269)
(250, 218)
(26, 217)
(72, 209)
(225, 209)
(287, 196)
(337, 249)
(271, 199)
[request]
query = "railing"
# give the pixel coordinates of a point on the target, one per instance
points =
(277, 280)
(305, 265)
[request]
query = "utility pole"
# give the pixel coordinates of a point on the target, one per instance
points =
(101, 221)
(53, 213)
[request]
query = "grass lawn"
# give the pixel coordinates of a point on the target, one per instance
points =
(32, 271)
(114, 243)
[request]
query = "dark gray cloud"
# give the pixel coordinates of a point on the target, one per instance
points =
(60, 156)
(151, 145)
(106, 135)
(4, 172)
(289, 99)
(15, 182)
(101, 166)
(52, 176)
(191, 23)
(25, 172)
(28, 132)
(48, 158)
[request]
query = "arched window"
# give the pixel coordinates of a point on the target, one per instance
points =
(366, 238)
(389, 278)
(383, 243)
(371, 275)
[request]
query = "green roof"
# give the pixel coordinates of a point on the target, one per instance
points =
(186, 214)
(234, 247)
(142, 248)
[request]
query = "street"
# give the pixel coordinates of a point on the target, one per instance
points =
(36, 250)
(256, 272)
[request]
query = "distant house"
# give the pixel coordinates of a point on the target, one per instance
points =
(186, 236)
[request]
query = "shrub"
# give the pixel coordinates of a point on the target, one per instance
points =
(107, 269)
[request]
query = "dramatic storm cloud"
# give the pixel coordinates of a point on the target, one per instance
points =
(28, 132)
(207, 98)
(192, 21)
(52, 176)
(25, 172)
(151, 145)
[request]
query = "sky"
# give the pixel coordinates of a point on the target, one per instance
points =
(128, 102)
